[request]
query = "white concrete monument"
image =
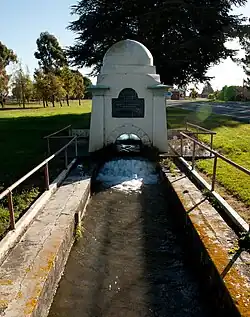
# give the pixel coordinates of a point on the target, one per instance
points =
(128, 98)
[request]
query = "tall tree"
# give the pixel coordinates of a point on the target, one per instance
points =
(207, 89)
(246, 62)
(22, 86)
(185, 37)
(41, 86)
(51, 57)
(79, 87)
(87, 84)
(68, 81)
(7, 56)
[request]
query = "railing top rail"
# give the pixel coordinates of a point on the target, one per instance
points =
(200, 128)
(67, 136)
(21, 180)
(193, 132)
(54, 133)
(241, 168)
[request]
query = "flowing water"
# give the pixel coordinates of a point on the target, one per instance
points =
(130, 261)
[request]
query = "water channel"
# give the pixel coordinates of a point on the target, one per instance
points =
(130, 261)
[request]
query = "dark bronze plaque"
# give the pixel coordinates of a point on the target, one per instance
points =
(128, 105)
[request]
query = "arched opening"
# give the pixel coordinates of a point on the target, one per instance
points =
(128, 142)
(128, 131)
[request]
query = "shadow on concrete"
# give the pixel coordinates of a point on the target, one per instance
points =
(196, 205)
(231, 263)
(179, 282)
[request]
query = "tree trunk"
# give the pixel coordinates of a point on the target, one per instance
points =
(79, 101)
(23, 103)
(23, 95)
(67, 98)
(60, 102)
(53, 101)
(44, 105)
(2, 103)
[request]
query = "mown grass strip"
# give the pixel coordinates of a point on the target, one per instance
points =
(232, 140)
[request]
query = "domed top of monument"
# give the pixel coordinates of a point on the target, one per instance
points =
(128, 52)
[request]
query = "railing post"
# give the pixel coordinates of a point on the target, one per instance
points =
(186, 125)
(181, 145)
(11, 210)
(76, 147)
(66, 157)
(48, 146)
(193, 157)
(46, 174)
(214, 172)
(211, 144)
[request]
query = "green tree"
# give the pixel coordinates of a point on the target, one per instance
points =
(185, 37)
(41, 86)
(50, 55)
(79, 87)
(230, 93)
(7, 56)
(193, 93)
(57, 92)
(22, 86)
(48, 87)
(216, 94)
(68, 82)
(221, 95)
(207, 89)
(87, 85)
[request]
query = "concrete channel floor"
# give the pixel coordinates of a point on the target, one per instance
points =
(29, 274)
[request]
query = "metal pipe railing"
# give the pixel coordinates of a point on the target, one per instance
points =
(54, 133)
(199, 128)
(204, 131)
(216, 156)
(243, 169)
(48, 137)
(8, 191)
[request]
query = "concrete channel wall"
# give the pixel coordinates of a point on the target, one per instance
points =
(209, 240)
(30, 273)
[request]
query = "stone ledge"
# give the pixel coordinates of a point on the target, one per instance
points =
(218, 239)
(31, 272)
(14, 236)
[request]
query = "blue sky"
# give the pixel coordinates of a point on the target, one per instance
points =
(23, 20)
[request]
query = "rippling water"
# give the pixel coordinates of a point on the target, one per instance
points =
(130, 261)
(128, 174)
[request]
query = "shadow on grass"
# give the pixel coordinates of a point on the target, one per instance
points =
(22, 146)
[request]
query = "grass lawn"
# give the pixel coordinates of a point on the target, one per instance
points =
(22, 146)
(232, 140)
